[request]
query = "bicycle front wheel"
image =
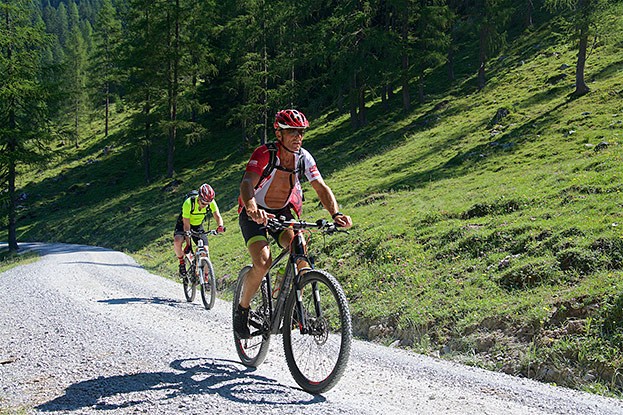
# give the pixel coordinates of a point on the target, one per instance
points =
(208, 284)
(253, 351)
(317, 343)
(190, 290)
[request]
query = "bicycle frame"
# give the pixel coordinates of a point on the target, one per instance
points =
(290, 281)
(201, 253)
(310, 311)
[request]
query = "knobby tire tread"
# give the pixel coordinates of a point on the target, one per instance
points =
(208, 298)
(257, 359)
(190, 289)
(346, 324)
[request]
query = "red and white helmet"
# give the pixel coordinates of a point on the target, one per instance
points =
(290, 119)
(206, 193)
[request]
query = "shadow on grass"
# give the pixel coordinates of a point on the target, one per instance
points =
(501, 145)
(188, 377)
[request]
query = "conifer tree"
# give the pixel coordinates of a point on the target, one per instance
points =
(490, 19)
(105, 63)
(585, 18)
(76, 64)
(143, 55)
(23, 120)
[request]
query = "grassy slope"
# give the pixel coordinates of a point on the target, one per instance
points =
(497, 244)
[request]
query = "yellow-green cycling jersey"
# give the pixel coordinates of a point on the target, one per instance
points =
(193, 212)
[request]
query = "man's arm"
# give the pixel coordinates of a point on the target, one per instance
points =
(217, 215)
(186, 224)
(327, 198)
(247, 194)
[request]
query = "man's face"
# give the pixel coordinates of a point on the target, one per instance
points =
(202, 203)
(292, 138)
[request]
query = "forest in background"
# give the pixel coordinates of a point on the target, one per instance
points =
(187, 68)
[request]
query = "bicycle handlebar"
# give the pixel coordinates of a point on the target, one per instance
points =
(202, 232)
(278, 224)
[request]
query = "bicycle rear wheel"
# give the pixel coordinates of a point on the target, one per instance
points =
(208, 284)
(190, 289)
(317, 346)
(252, 351)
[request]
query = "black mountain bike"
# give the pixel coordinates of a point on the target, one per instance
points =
(310, 310)
(199, 271)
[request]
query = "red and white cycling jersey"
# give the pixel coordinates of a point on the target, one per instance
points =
(258, 162)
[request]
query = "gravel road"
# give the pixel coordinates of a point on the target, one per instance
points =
(85, 330)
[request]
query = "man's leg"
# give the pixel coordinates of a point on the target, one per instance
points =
(260, 256)
(261, 259)
(285, 239)
(177, 247)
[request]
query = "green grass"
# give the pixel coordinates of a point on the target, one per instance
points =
(495, 244)
(11, 260)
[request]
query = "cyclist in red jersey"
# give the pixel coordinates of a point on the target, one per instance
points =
(276, 194)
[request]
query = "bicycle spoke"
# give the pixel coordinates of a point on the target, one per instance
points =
(317, 351)
(252, 351)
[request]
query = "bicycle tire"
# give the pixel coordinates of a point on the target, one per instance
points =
(253, 351)
(317, 360)
(208, 288)
(190, 289)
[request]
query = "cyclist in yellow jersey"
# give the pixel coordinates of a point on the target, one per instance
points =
(194, 211)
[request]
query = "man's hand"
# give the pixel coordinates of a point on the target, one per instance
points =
(256, 214)
(342, 220)
(260, 216)
(220, 229)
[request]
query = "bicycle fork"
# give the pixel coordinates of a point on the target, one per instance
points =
(305, 319)
(303, 323)
(201, 262)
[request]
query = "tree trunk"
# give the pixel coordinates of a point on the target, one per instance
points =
(12, 148)
(482, 50)
(147, 144)
(529, 11)
(12, 214)
(406, 96)
(107, 110)
(421, 88)
(450, 63)
(265, 97)
(361, 98)
(174, 88)
(193, 110)
(352, 102)
(384, 100)
(77, 121)
(580, 84)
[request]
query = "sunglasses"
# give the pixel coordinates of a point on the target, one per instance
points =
(293, 131)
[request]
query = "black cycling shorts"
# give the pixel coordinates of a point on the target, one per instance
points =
(179, 230)
(253, 231)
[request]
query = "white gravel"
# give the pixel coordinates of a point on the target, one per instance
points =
(86, 330)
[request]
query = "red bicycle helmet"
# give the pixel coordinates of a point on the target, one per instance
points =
(206, 193)
(290, 119)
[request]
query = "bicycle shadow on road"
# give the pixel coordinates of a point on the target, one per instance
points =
(133, 300)
(199, 376)
(104, 264)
